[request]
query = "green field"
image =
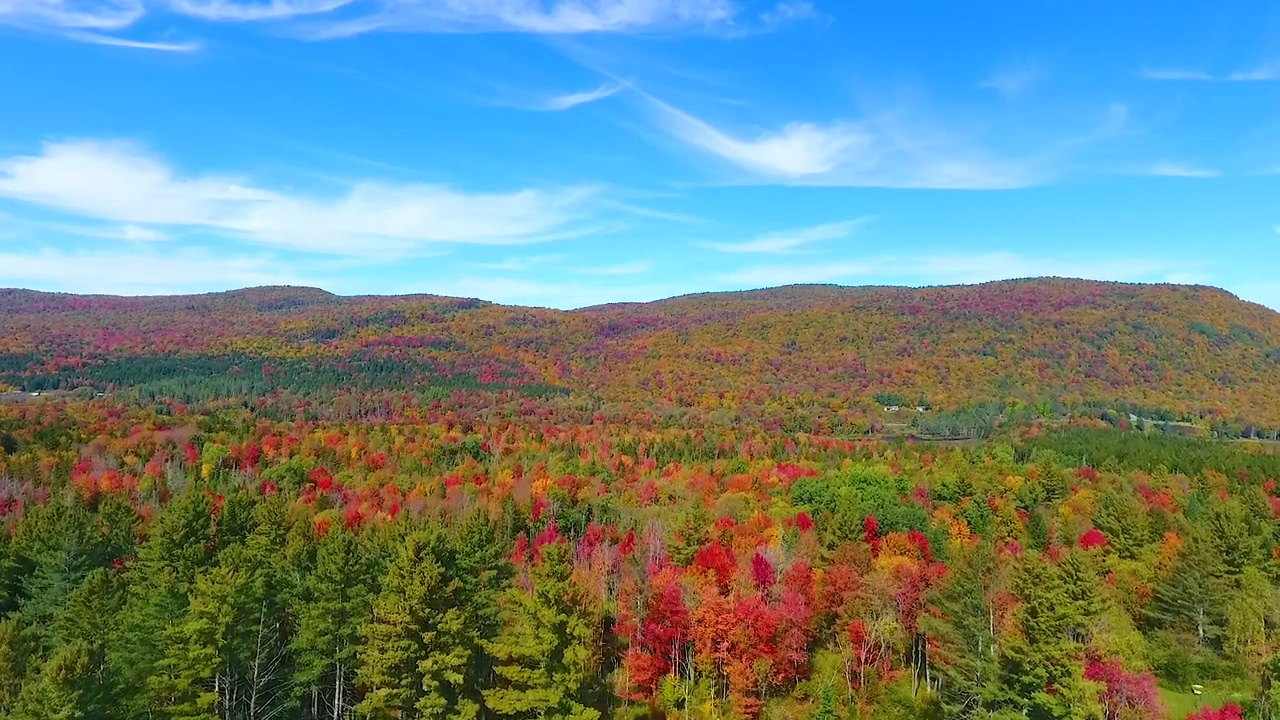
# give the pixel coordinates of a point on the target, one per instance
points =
(1180, 703)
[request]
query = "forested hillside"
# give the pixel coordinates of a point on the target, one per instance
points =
(493, 559)
(826, 353)
(280, 503)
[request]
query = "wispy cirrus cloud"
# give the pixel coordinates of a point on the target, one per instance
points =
(330, 19)
(112, 41)
(72, 14)
(1260, 73)
(1177, 170)
(557, 17)
(85, 21)
(572, 100)
(122, 182)
(253, 11)
(797, 150)
(1013, 82)
(1264, 72)
(788, 11)
(1174, 75)
(145, 272)
(790, 240)
(884, 151)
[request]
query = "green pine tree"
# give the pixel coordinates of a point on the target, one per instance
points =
(827, 708)
(197, 678)
(1122, 518)
(1191, 599)
(415, 656)
(963, 630)
(544, 658)
(64, 689)
(335, 601)
(17, 658)
(1041, 670)
(179, 545)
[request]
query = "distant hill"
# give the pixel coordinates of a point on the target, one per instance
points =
(1188, 351)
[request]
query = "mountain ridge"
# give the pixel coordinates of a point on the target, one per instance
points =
(1190, 350)
(7, 293)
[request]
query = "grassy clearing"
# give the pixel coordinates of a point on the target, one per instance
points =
(1180, 703)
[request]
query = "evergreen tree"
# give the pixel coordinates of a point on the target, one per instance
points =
(335, 601)
(198, 677)
(1190, 599)
(61, 544)
(963, 631)
(544, 655)
(827, 708)
(415, 655)
(1230, 533)
(1121, 517)
(484, 572)
(64, 689)
(266, 658)
(90, 618)
(179, 545)
(17, 655)
(1041, 670)
(10, 575)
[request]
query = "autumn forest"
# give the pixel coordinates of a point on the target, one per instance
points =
(1030, 499)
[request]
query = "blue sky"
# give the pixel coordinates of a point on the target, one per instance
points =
(573, 152)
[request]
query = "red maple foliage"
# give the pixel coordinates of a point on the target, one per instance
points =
(762, 572)
(1230, 711)
(1124, 694)
(1092, 539)
(657, 641)
(718, 559)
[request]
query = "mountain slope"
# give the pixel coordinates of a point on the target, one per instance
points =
(1184, 349)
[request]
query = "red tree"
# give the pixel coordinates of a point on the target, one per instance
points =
(658, 640)
(1230, 711)
(1124, 693)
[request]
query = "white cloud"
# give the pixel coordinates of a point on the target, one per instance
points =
(327, 19)
(144, 273)
(112, 41)
(84, 21)
(1013, 82)
(142, 234)
(798, 150)
(883, 152)
(550, 17)
(72, 14)
(1180, 171)
(787, 12)
(787, 241)
(120, 182)
(237, 11)
(1174, 74)
(1261, 73)
(564, 102)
